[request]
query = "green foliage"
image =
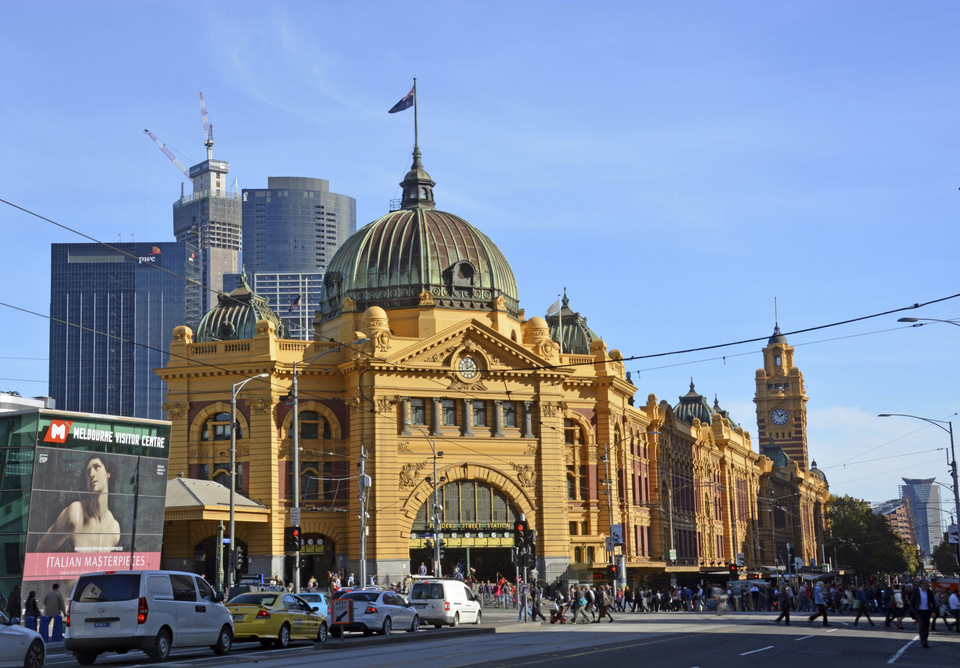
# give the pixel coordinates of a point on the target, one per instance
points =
(863, 540)
(945, 558)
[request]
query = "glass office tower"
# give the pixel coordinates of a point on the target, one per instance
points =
(112, 318)
(291, 229)
(923, 495)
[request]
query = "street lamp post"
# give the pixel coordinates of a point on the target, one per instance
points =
(295, 397)
(920, 324)
(232, 561)
(953, 455)
(437, 508)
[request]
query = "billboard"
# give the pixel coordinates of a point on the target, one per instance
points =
(98, 493)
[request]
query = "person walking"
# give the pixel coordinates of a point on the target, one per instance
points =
(820, 603)
(922, 602)
(953, 605)
(784, 603)
(32, 608)
(895, 608)
(860, 605)
(578, 604)
(605, 602)
(524, 592)
(536, 597)
(14, 604)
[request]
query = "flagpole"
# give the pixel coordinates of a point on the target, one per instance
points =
(416, 141)
(560, 320)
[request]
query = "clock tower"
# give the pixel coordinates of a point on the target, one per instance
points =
(782, 401)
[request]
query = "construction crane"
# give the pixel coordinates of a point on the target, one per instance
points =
(207, 128)
(167, 152)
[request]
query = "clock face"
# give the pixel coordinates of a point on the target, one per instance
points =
(779, 417)
(468, 368)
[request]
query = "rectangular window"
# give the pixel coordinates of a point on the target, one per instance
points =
(573, 528)
(510, 414)
(483, 504)
(451, 499)
(418, 411)
(479, 413)
(448, 409)
(500, 507)
(584, 489)
(468, 492)
(571, 484)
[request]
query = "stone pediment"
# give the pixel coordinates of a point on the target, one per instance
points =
(492, 351)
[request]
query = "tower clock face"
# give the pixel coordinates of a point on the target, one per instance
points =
(468, 368)
(779, 417)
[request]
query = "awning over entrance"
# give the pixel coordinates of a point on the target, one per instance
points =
(190, 499)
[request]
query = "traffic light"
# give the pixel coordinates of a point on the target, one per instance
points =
(442, 551)
(520, 534)
(734, 569)
(291, 539)
(530, 538)
(612, 571)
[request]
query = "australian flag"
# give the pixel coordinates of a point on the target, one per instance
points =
(405, 103)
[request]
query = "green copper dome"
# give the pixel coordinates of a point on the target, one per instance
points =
(394, 260)
(236, 315)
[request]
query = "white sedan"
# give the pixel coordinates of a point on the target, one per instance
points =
(19, 646)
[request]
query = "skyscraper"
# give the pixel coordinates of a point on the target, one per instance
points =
(923, 497)
(291, 229)
(111, 318)
(210, 220)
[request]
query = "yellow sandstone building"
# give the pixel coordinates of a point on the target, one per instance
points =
(423, 359)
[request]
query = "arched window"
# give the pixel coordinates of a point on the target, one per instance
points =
(217, 428)
(578, 555)
(312, 425)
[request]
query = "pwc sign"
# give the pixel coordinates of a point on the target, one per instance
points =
(57, 432)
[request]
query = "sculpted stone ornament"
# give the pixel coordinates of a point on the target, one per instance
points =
(403, 447)
(500, 304)
(176, 412)
(550, 409)
(426, 298)
(348, 305)
(376, 327)
(259, 406)
(526, 475)
(409, 474)
(383, 404)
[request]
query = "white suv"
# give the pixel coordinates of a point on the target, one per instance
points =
(147, 610)
(442, 602)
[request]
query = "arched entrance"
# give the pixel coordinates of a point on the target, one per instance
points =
(205, 560)
(317, 558)
(476, 526)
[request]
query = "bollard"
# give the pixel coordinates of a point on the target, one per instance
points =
(57, 634)
(45, 628)
(30, 623)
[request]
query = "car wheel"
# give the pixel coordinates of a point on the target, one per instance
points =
(477, 620)
(322, 633)
(283, 638)
(415, 626)
(387, 627)
(34, 658)
(224, 641)
(85, 658)
(161, 646)
(456, 620)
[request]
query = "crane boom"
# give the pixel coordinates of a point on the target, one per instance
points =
(207, 128)
(167, 152)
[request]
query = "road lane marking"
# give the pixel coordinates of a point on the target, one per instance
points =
(754, 651)
(902, 650)
(832, 630)
(801, 638)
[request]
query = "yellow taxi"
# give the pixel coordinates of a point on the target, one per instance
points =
(275, 618)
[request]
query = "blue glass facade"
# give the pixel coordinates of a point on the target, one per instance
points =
(112, 319)
(294, 225)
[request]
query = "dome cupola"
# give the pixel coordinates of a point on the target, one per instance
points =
(416, 256)
(236, 315)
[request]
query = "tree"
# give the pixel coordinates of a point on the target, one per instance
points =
(863, 540)
(945, 558)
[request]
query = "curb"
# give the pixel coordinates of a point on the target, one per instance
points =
(343, 642)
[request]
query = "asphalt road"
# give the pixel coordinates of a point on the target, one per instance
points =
(683, 640)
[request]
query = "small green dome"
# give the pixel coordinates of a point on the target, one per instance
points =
(236, 315)
(571, 327)
(693, 405)
(392, 261)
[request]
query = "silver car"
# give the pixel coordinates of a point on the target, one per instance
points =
(19, 646)
(379, 611)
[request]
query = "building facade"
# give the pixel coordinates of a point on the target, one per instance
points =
(898, 515)
(423, 361)
(210, 220)
(923, 497)
(112, 309)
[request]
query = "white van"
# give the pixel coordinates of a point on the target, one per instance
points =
(146, 610)
(440, 602)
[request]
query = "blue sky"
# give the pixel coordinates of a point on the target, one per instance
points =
(677, 166)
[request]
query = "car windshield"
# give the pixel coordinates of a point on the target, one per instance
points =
(266, 600)
(368, 596)
(313, 598)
